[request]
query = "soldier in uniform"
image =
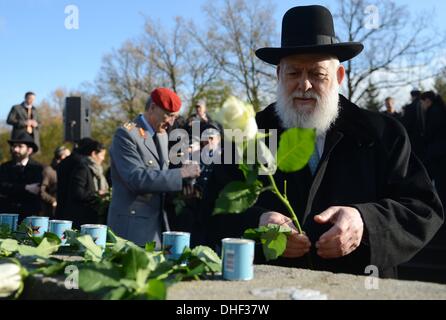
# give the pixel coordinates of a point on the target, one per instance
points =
(140, 173)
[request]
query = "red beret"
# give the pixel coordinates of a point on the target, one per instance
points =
(166, 99)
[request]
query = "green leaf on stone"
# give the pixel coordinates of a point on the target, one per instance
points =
(133, 260)
(295, 149)
(94, 277)
(207, 256)
(44, 249)
(237, 196)
(156, 290)
(8, 247)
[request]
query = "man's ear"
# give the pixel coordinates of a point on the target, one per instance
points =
(30, 151)
(340, 74)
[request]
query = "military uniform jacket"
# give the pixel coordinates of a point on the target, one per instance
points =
(139, 181)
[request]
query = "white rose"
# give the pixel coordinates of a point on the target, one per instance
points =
(235, 114)
(10, 279)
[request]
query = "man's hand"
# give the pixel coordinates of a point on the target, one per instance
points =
(345, 235)
(191, 170)
(33, 188)
(297, 244)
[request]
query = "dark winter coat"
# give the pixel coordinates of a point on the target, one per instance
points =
(367, 164)
(13, 196)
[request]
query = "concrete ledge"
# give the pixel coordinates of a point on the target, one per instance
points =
(270, 282)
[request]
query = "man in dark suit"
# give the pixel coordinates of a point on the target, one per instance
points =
(24, 119)
(414, 121)
(363, 199)
(20, 179)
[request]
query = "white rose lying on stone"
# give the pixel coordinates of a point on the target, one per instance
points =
(10, 279)
(236, 114)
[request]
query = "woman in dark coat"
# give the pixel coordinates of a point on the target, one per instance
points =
(87, 185)
(48, 188)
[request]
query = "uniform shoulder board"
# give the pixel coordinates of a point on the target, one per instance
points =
(129, 125)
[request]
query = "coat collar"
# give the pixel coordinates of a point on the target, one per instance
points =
(148, 139)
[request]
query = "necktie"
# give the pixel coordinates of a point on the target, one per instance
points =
(314, 160)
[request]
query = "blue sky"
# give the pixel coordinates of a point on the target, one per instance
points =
(38, 53)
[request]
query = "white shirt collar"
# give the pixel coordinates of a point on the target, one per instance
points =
(24, 162)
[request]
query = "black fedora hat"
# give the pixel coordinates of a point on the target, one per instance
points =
(24, 138)
(309, 29)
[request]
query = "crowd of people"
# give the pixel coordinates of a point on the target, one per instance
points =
(366, 197)
(70, 187)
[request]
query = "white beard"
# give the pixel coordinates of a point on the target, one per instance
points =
(321, 118)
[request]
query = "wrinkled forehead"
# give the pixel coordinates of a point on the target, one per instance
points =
(308, 60)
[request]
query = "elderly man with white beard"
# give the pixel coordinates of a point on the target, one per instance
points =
(363, 199)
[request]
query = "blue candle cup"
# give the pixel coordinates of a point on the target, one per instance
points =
(174, 244)
(58, 227)
(97, 231)
(238, 259)
(10, 220)
(39, 225)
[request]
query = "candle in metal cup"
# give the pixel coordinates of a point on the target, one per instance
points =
(58, 227)
(238, 259)
(174, 243)
(97, 231)
(10, 220)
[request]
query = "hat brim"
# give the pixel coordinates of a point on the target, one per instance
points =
(343, 51)
(29, 144)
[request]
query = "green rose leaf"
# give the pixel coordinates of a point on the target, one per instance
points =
(273, 238)
(295, 149)
(156, 290)
(237, 196)
(133, 260)
(207, 256)
(150, 246)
